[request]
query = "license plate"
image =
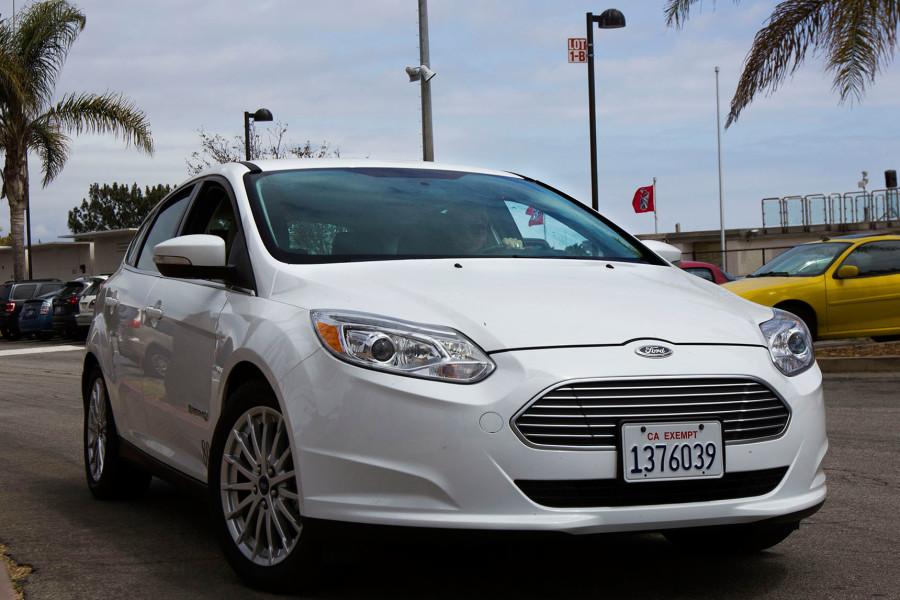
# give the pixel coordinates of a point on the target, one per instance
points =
(58, 310)
(29, 314)
(662, 451)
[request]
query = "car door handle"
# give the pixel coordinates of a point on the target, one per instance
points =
(153, 312)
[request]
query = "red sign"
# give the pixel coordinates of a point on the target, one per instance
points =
(643, 200)
(577, 50)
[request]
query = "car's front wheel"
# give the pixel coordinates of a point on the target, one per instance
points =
(254, 494)
(731, 539)
(109, 477)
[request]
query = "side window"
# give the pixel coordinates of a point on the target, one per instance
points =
(212, 214)
(24, 292)
(876, 258)
(134, 246)
(701, 273)
(164, 227)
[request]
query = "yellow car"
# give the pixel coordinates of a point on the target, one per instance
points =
(842, 287)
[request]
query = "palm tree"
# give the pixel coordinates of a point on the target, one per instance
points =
(33, 50)
(857, 38)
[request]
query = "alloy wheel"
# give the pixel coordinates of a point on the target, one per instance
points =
(258, 487)
(96, 430)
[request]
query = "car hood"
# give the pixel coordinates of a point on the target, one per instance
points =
(531, 303)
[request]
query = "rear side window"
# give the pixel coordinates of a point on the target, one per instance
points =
(876, 258)
(24, 291)
(71, 289)
(702, 273)
(50, 287)
(92, 289)
(163, 228)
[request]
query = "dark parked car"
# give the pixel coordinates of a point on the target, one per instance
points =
(36, 317)
(65, 307)
(13, 295)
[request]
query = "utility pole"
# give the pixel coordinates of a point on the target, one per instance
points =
(424, 59)
(721, 200)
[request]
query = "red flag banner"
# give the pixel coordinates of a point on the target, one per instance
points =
(644, 200)
(536, 216)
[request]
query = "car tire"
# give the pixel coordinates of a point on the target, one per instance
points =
(44, 336)
(253, 494)
(109, 477)
(731, 539)
(886, 338)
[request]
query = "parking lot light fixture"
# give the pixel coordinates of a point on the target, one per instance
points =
(261, 115)
(608, 19)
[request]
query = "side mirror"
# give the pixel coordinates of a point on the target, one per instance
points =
(192, 257)
(848, 272)
(666, 251)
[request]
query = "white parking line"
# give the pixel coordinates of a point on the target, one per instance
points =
(40, 350)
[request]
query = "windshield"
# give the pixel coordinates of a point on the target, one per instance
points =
(807, 260)
(345, 214)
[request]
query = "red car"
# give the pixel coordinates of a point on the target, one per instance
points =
(707, 271)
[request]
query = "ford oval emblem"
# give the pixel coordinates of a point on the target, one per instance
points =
(654, 351)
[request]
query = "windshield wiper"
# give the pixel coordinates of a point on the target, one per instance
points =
(771, 274)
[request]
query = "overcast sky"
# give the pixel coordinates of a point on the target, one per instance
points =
(504, 97)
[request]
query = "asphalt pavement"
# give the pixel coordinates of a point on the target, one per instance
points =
(162, 546)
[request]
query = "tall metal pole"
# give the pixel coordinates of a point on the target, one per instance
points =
(589, 18)
(721, 200)
(424, 59)
(246, 135)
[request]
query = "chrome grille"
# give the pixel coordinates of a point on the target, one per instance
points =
(587, 414)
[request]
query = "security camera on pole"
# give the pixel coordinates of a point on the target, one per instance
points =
(424, 74)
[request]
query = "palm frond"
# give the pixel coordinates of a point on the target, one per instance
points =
(12, 75)
(860, 41)
(678, 11)
(45, 31)
(103, 113)
(778, 49)
(51, 145)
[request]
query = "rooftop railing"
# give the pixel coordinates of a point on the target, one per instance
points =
(832, 209)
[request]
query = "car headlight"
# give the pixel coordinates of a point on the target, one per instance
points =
(401, 347)
(789, 341)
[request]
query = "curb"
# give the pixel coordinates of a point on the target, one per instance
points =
(860, 364)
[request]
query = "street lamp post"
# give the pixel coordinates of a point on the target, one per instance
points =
(608, 19)
(262, 114)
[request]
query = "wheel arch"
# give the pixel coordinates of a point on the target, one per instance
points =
(90, 363)
(805, 311)
(242, 370)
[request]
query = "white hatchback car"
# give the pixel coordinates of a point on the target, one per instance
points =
(436, 346)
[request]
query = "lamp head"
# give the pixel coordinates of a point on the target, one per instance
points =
(262, 114)
(610, 18)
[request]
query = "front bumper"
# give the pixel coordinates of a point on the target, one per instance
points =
(379, 448)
